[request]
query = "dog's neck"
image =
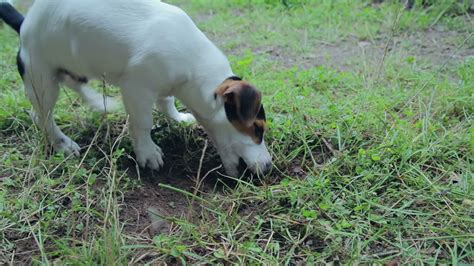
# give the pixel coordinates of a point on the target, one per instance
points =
(200, 99)
(198, 94)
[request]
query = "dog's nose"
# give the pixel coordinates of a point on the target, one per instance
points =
(262, 168)
(242, 166)
(266, 168)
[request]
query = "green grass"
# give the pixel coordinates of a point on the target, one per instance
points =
(373, 162)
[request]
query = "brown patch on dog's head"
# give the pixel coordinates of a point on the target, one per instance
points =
(242, 103)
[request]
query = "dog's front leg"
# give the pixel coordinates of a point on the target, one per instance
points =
(139, 104)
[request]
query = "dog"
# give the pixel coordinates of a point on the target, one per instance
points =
(153, 52)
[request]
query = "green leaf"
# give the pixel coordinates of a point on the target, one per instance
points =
(310, 214)
(344, 224)
(220, 254)
(324, 206)
(376, 157)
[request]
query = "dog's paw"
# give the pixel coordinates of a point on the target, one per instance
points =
(151, 157)
(67, 146)
(185, 118)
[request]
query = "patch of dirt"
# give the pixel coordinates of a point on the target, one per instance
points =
(147, 209)
(434, 47)
(25, 247)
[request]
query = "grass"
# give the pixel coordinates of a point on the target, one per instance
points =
(372, 138)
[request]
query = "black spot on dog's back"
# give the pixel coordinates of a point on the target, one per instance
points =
(77, 78)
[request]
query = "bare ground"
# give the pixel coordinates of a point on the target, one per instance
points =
(432, 47)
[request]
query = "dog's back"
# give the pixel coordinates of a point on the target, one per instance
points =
(92, 37)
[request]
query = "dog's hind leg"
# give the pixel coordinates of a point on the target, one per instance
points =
(42, 88)
(97, 101)
(167, 106)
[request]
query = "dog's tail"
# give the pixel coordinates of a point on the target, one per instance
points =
(97, 101)
(11, 16)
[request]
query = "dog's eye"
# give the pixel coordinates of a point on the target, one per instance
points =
(258, 132)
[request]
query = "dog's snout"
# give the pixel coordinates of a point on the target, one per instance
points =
(258, 168)
(267, 167)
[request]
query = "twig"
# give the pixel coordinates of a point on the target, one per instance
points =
(197, 180)
(268, 241)
(330, 147)
(38, 243)
(387, 44)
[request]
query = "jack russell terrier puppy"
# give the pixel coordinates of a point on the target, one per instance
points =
(152, 51)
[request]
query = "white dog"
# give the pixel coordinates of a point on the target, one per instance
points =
(153, 52)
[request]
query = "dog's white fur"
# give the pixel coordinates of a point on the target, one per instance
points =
(151, 50)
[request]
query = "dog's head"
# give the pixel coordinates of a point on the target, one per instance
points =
(239, 127)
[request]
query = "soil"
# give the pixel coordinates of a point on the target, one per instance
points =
(433, 47)
(145, 207)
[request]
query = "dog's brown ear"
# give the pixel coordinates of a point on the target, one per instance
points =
(241, 101)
